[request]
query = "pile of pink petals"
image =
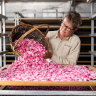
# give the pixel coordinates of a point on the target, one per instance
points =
(31, 66)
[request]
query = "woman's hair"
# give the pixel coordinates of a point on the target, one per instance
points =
(74, 18)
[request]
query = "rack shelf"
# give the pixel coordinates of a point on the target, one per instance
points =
(5, 0)
(2, 16)
(3, 52)
(41, 20)
(51, 27)
(83, 62)
(87, 44)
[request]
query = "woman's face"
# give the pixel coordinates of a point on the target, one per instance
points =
(66, 28)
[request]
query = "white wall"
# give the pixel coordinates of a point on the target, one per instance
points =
(29, 9)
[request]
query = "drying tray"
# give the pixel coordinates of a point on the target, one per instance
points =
(47, 92)
(50, 83)
(55, 21)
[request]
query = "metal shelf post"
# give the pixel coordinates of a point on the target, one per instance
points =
(4, 40)
(92, 33)
(2, 31)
